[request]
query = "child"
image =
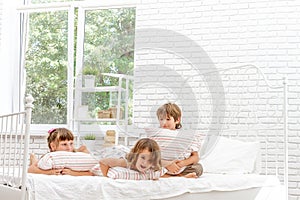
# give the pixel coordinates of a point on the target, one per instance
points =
(169, 116)
(143, 157)
(59, 139)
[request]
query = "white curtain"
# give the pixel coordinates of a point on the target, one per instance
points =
(11, 77)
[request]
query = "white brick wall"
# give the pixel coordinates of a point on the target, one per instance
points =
(1, 19)
(265, 33)
(231, 33)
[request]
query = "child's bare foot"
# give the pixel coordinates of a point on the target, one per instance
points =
(83, 149)
(33, 159)
(191, 175)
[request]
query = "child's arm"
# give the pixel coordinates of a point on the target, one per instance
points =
(35, 170)
(107, 163)
(193, 159)
(175, 165)
(76, 173)
(171, 166)
(33, 167)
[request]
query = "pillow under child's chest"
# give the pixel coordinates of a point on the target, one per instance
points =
(77, 161)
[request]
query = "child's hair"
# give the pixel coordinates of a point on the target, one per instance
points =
(170, 110)
(151, 146)
(59, 134)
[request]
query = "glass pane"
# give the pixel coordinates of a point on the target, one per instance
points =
(108, 48)
(46, 66)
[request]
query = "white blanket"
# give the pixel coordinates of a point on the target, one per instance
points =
(94, 187)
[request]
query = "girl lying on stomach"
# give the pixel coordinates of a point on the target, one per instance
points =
(61, 146)
(144, 157)
(143, 162)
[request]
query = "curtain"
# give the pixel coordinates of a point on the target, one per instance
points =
(12, 76)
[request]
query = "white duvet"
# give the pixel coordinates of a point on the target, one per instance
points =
(94, 187)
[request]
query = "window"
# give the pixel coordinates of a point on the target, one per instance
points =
(46, 64)
(108, 47)
(51, 53)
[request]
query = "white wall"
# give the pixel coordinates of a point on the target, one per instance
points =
(221, 33)
(172, 34)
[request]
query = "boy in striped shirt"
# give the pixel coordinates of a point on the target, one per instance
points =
(179, 149)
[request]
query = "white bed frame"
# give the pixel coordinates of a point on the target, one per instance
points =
(273, 122)
(274, 151)
(14, 145)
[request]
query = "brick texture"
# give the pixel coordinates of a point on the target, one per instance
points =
(229, 33)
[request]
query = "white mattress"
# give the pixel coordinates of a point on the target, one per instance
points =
(95, 187)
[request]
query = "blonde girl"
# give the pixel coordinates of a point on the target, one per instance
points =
(143, 157)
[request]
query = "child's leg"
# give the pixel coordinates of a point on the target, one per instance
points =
(83, 149)
(196, 168)
(33, 159)
(191, 175)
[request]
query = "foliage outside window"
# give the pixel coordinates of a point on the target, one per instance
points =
(46, 66)
(108, 47)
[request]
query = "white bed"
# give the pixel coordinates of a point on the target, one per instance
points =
(14, 145)
(246, 122)
(68, 187)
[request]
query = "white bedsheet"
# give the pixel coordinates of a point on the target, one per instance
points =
(94, 187)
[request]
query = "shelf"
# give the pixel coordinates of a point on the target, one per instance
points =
(100, 89)
(117, 93)
(98, 120)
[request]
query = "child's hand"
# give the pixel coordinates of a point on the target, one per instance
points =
(173, 167)
(66, 171)
(57, 171)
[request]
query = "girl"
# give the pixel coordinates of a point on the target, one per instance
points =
(143, 157)
(59, 139)
(169, 116)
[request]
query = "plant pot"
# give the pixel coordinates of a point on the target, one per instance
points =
(109, 138)
(89, 80)
(103, 114)
(113, 112)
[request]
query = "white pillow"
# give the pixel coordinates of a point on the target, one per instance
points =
(128, 174)
(118, 151)
(77, 161)
(176, 144)
(230, 156)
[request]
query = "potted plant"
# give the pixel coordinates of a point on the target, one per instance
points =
(89, 141)
(89, 73)
(90, 137)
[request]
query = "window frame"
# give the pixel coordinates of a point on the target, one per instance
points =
(82, 6)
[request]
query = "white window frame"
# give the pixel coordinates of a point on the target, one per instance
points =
(40, 129)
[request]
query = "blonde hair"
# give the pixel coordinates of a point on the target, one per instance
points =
(151, 146)
(58, 134)
(170, 110)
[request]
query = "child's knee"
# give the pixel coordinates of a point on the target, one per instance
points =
(198, 169)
